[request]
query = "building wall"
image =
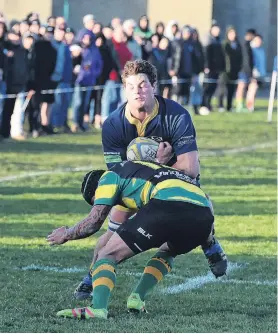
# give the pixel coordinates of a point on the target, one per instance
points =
(194, 12)
(18, 9)
(184, 11)
(103, 10)
(243, 14)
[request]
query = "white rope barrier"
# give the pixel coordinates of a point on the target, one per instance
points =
(99, 87)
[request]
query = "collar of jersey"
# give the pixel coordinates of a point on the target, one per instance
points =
(141, 126)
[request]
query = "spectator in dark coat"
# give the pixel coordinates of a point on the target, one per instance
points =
(16, 76)
(108, 65)
(183, 64)
(63, 76)
(90, 69)
(198, 67)
(233, 64)
(45, 63)
(245, 74)
(3, 31)
(160, 58)
(214, 66)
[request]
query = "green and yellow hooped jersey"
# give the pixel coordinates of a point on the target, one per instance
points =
(133, 184)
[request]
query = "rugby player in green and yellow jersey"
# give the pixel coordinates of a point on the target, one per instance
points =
(173, 215)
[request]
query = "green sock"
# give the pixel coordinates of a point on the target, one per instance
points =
(157, 267)
(104, 278)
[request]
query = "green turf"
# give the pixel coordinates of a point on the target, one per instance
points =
(242, 187)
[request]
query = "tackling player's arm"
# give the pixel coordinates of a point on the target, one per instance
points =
(104, 198)
(90, 225)
(86, 227)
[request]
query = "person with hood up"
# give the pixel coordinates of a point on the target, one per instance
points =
(171, 30)
(143, 34)
(159, 30)
(233, 63)
(90, 69)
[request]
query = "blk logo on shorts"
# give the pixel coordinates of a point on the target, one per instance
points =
(144, 233)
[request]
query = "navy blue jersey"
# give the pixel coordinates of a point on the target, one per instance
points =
(169, 122)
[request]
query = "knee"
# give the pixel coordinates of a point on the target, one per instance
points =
(108, 253)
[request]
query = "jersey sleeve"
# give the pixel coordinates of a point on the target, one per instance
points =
(183, 134)
(108, 190)
(114, 149)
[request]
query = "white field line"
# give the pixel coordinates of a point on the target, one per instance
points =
(205, 153)
(190, 284)
(198, 281)
(34, 267)
(45, 172)
(237, 149)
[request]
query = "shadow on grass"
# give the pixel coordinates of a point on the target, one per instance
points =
(33, 147)
(245, 208)
(39, 206)
(29, 231)
(239, 181)
(249, 239)
(41, 190)
(78, 206)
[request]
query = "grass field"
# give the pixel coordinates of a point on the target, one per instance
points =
(36, 280)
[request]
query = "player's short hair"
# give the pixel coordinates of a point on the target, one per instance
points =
(90, 184)
(140, 66)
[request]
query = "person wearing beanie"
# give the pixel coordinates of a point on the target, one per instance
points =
(69, 36)
(15, 26)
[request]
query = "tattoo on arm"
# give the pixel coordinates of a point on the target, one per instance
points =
(89, 225)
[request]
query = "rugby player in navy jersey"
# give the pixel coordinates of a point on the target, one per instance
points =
(148, 115)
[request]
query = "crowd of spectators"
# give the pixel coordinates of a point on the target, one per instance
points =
(35, 57)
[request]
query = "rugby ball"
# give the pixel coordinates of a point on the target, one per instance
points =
(143, 149)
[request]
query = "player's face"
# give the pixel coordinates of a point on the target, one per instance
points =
(139, 91)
